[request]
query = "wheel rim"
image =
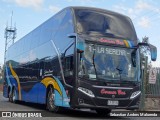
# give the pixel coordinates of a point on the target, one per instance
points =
(51, 99)
(14, 97)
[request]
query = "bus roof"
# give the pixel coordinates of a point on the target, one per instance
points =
(78, 8)
(97, 9)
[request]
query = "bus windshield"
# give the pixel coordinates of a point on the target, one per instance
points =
(99, 62)
(92, 22)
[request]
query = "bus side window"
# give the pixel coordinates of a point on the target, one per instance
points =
(69, 66)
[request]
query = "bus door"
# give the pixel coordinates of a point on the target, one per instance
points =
(68, 66)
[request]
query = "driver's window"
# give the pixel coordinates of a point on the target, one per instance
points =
(69, 65)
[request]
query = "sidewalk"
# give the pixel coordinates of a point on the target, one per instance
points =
(152, 104)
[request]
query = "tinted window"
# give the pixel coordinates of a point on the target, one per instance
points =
(27, 42)
(24, 58)
(45, 51)
(49, 28)
(35, 37)
(14, 52)
(45, 33)
(19, 47)
(70, 50)
(64, 29)
(51, 66)
(109, 24)
(32, 55)
(22, 46)
(15, 61)
(69, 61)
(57, 20)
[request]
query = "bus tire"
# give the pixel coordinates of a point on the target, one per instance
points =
(103, 112)
(9, 95)
(51, 100)
(12, 97)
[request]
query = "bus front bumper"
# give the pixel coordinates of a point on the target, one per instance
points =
(85, 101)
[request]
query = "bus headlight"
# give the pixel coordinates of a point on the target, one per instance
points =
(135, 94)
(86, 91)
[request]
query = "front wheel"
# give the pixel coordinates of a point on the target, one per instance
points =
(103, 112)
(51, 101)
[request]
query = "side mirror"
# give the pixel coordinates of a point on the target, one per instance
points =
(153, 50)
(80, 47)
(72, 35)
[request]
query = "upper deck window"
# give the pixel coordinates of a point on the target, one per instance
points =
(108, 24)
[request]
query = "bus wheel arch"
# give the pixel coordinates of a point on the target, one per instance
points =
(50, 98)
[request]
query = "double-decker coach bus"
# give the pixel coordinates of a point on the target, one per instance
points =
(80, 58)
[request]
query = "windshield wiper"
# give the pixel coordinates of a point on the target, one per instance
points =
(94, 62)
(120, 71)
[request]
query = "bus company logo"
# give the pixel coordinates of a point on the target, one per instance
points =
(117, 42)
(115, 92)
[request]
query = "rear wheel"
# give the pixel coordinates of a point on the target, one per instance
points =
(51, 101)
(12, 96)
(103, 112)
(10, 99)
(9, 96)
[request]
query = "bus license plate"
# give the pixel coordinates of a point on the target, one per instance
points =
(110, 102)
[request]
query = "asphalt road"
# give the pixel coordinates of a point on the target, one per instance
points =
(65, 114)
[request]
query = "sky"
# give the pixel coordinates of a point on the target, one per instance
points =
(28, 14)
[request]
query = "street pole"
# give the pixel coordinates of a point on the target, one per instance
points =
(143, 82)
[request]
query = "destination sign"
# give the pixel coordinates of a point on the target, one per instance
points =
(107, 50)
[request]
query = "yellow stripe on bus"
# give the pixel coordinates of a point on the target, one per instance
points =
(17, 79)
(48, 80)
(126, 43)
